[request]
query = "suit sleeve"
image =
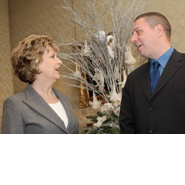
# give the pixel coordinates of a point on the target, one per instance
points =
(12, 122)
(126, 119)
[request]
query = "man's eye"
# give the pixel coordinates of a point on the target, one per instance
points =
(138, 31)
(52, 56)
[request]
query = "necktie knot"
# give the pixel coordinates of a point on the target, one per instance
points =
(156, 65)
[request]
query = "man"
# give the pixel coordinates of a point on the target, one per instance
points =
(153, 98)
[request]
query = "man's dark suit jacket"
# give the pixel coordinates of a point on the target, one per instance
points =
(162, 112)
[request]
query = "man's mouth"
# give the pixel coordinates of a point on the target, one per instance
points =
(57, 69)
(138, 46)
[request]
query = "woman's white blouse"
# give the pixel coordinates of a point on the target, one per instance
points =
(59, 109)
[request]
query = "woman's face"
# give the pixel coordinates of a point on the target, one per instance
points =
(50, 66)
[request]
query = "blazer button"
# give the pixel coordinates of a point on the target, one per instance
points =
(151, 109)
(151, 131)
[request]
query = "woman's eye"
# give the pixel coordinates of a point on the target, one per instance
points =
(52, 56)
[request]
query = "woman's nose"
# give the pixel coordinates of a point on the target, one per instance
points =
(59, 61)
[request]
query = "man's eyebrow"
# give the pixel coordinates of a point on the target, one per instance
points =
(134, 30)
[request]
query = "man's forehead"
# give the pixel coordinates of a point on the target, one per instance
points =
(139, 23)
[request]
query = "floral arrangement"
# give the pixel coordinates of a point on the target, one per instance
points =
(106, 121)
(101, 59)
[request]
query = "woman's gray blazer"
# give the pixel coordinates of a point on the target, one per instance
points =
(28, 113)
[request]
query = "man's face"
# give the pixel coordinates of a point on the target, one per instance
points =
(145, 38)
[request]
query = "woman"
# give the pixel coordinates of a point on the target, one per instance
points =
(39, 108)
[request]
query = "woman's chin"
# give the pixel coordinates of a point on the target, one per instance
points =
(58, 78)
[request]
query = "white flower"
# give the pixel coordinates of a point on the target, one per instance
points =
(117, 111)
(98, 76)
(107, 107)
(77, 73)
(128, 55)
(114, 96)
(86, 51)
(124, 78)
(95, 104)
(100, 35)
(100, 121)
(111, 41)
(116, 73)
(110, 52)
(130, 60)
(111, 45)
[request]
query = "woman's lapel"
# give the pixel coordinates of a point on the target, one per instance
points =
(68, 108)
(37, 103)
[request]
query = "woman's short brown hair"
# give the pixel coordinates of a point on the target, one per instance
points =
(27, 56)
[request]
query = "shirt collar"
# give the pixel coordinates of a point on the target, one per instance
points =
(164, 58)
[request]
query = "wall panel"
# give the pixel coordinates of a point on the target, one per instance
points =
(6, 77)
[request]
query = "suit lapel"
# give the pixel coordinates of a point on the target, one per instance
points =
(67, 108)
(35, 101)
(145, 80)
(171, 68)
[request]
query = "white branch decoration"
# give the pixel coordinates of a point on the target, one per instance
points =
(101, 52)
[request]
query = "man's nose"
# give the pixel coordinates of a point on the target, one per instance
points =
(133, 38)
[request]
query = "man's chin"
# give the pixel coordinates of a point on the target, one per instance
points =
(140, 51)
(143, 54)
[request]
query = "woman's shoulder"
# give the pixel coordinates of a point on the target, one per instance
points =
(16, 97)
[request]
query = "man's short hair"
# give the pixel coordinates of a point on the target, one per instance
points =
(155, 18)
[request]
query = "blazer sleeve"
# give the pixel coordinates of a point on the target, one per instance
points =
(126, 120)
(12, 122)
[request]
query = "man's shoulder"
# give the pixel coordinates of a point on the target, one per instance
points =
(177, 53)
(138, 70)
(183, 55)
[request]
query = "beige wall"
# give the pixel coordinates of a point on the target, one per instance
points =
(43, 17)
(175, 12)
(38, 17)
(6, 77)
(47, 17)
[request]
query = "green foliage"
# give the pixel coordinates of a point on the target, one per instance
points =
(109, 126)
(111, 117)
(104, 129)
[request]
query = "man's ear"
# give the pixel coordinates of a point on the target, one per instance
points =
(160, 30)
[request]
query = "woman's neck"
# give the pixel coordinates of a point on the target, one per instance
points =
(44, 90)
